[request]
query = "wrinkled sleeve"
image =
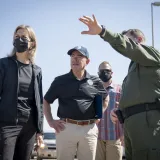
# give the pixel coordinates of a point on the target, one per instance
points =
(142, 54)
(52, 93)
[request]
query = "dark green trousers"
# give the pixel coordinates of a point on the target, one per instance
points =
(142, 136)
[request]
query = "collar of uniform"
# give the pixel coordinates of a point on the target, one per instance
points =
(87, 75)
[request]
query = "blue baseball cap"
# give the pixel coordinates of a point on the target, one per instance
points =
(81, 49)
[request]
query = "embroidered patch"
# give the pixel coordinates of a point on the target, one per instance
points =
(90, 82)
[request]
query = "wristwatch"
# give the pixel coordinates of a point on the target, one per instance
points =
(103, 31)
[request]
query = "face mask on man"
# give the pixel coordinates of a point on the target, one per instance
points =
(105, 75)
(21, 44)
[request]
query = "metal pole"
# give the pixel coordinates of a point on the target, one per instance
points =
(152, 24)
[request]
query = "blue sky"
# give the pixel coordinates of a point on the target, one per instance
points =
(58, 29)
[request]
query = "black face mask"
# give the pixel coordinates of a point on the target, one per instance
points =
(105, 76)
(21, 44)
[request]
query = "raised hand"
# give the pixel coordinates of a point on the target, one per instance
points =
(94, 27)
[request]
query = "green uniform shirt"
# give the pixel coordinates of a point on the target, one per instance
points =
(142, 83)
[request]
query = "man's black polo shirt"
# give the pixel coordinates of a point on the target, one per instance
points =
(76, 97)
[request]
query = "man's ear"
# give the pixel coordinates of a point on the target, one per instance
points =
(88, 60)
(139, 39)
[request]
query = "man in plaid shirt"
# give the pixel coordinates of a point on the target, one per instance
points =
(109, 145)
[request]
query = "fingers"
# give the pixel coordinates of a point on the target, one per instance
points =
(61, 121)
(59, 126)
(117, 103)
(36, 148)
(41, 140)
(92, 24)
(88, 18)
(58, 129)
(122, 141)
(38, 142)
(84, 21)
(94, 19)
(97, 121)
(113, 116)
(85, 32)
(114, 120)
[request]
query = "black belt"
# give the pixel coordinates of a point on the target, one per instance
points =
(129, 111)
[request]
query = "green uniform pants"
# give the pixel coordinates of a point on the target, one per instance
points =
(142, 136)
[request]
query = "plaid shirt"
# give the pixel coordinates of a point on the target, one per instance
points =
(107, 129)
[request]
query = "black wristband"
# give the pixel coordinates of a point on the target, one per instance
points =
(103, 30)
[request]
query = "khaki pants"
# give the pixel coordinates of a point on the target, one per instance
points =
(76, 139)
(109, 150)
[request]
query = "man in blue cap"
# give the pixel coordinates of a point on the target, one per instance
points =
(76, 131)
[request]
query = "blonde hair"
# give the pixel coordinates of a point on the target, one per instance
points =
(32, 36)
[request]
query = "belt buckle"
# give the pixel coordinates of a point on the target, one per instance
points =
(78, 123)
(83, 122)
(88, 122)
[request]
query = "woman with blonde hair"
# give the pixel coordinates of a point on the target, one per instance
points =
(21, 98)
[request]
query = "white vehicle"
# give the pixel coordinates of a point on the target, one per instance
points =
(49, 149)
